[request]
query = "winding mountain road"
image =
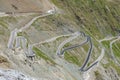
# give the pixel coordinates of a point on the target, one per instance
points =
(75, 35)
(13, 35)
(11, 40)
(21, 41)
(29, 51)
(35, 18)
(116, 38)
(73, 46)
(88, 39)
(106, 39)
(52, 39)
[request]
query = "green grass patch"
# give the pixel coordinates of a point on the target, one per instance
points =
(22, 34)
(43, 55)
(106, 44)
(72, 58)
(113, 64)
(3, 24)
(67, 45)
(98, 75)
(116, 49)
(99, 17)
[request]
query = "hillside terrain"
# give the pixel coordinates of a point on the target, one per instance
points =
(24, 6)
(60, 39)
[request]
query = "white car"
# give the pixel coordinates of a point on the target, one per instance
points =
(51, 11)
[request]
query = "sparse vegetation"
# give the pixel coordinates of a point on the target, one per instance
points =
(98, 76)
(97, 18)
(116, 49)
(113, 64)
(72, 58)
(42, 55)
(67, 45)
(3, 59)
(106, 44)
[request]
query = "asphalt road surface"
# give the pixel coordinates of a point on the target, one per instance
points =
(88, 39)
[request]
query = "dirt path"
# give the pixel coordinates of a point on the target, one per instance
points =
(74, 35)
(14, 32)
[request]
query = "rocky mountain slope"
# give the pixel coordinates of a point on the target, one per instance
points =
(54, 26)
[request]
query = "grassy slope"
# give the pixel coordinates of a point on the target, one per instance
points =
(98, 18)
(43, 55)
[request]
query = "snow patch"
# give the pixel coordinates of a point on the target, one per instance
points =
(9, 74)
(86, 76)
